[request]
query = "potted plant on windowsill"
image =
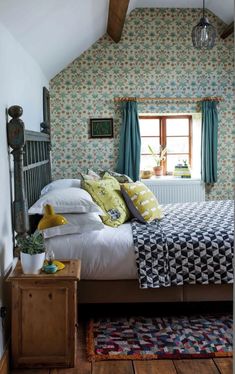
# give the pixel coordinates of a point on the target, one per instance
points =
(32, 253)
(157, 169)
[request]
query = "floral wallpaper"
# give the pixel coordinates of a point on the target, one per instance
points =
(154, 58)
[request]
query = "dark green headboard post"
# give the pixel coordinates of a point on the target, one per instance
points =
(16, 140)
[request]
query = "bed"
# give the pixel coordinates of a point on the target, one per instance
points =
(109, 272)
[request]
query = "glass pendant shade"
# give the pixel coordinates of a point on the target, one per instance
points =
(203, 34)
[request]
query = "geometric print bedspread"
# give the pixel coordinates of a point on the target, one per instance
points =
(193, 243)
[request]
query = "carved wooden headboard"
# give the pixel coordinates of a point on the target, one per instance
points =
(32, 167)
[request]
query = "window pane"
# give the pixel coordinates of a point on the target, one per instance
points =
(146, 163)
(153, 142)
(173, 160)
(177, 126)
(149, 127)
(177, 145)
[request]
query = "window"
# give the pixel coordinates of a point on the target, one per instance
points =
(172, 131)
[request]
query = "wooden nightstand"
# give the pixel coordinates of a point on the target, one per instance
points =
(44, 317)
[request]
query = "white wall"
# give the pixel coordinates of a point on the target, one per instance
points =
(21, 82)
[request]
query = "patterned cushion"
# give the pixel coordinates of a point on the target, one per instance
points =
(121, 178)
(90, 176)
(106, 193)
(141, 202)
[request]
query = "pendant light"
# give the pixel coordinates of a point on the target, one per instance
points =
(204, 33)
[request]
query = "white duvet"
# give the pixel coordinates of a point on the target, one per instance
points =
(106, 254)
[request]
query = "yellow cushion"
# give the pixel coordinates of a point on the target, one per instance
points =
(141, 202)
(107, 194)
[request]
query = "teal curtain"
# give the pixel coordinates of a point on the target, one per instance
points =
(130, 142)
(209, 141)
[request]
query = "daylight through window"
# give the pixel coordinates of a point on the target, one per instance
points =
(174, 133)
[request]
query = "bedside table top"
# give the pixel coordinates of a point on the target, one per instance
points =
(71, 271)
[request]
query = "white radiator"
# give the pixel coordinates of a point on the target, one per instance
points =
(176, 190)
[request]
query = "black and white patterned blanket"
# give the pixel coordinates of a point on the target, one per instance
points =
(193, 243)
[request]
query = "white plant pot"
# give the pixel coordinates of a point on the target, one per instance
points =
(32, 264)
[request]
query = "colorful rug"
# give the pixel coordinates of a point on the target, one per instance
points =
(160, 338)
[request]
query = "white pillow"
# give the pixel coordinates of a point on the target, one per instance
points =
(61, 183)
(78, 224)
(67, 200)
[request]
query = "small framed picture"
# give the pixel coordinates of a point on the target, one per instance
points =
(101, 128)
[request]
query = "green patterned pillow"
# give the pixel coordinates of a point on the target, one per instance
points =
(107, 194)
(141, 202)
(90, 176)
(121, 178)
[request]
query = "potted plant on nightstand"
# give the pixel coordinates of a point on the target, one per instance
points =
(32, 253)
(158, 159)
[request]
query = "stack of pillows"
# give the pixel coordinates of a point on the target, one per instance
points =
(96, 199)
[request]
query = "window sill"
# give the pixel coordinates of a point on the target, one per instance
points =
(171, 180)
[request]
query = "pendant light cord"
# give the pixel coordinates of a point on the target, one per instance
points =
(203, 8)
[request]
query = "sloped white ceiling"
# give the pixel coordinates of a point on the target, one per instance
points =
(55, 32)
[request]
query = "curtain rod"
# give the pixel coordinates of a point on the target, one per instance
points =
(183, 99)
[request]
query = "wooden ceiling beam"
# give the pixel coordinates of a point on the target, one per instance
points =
(116, 18)
(228, 31)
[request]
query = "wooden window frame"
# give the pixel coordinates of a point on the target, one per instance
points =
(163, 136)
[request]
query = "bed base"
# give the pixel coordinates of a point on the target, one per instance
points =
(128, 291)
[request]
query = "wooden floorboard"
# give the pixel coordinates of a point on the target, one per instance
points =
(154, 367)
(225, 365)
(197, 366)
(4, 361)
(205, 366)
(113, 367)
(31, 371)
